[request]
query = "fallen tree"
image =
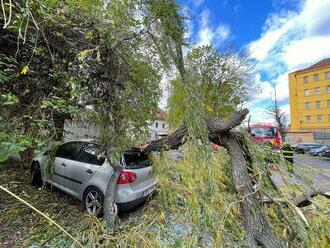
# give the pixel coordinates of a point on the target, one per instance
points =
(256, 224)
(216, 128)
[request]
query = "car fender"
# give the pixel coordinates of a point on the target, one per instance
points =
(41, 160)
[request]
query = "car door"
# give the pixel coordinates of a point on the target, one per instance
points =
(83, 168)
(64, 154)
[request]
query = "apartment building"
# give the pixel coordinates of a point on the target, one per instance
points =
(309, 90)
(310, 97)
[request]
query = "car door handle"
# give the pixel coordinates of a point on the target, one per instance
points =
(63, 164)
(89, 171)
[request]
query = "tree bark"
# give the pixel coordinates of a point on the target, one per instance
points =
(258, 229)
(215, 127)
(109, 205)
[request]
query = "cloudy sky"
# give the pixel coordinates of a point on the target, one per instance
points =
(281, 36)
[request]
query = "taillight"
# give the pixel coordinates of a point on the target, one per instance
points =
(327, 150)
(126, 177)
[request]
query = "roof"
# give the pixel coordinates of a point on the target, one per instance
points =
(320, 64)
(161, 114)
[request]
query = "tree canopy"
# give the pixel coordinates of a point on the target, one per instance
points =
(219, 82)
(60, 56)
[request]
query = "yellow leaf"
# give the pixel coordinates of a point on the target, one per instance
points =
(25, 70)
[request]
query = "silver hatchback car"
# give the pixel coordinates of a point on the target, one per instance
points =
(83, 174)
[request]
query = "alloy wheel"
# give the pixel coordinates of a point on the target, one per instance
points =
(93, 202)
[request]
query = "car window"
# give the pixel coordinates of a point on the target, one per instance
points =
(68, 150)
(134, 158)
(89, 154)
(264, 132)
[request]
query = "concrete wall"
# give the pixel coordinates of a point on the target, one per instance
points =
(322, 138)
(308, 137)
(299, 137)
(75, 130)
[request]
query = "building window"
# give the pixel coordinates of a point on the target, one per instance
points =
(316, 77)
(327, 75)
(329, 118)
(163, 125)
(328, 89)
(156, 124)
(319, 118)
(306, 79)
(318, 104)
(328, 103)
(317, 91)
(308, 118)
(308, 105)
(306, 92)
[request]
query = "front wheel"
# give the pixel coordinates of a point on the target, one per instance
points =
(36, 175)
(94, 199)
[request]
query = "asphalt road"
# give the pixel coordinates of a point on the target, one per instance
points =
(316, 168)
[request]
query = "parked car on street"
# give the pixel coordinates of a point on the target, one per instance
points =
(317, 151)
(304, 147)
(325, 153)
(79, 171)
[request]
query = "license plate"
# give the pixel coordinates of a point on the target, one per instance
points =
(148, 191)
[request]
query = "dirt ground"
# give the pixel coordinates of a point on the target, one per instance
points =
(21, 226)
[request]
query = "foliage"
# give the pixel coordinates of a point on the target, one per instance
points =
(220, 83)
(194, 208)
(73, 54)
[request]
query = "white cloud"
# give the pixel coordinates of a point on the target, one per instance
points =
(197, 3)
(299, 53)
(259, 115)
(208, 35)
(277, 27)
(265, 92)
(282, 87)
(290, 41)
(222, 33)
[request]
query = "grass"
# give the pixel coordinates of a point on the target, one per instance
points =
(196, 207)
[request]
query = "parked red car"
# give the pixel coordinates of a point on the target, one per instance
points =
(266, 133)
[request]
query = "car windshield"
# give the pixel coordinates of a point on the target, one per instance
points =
(264, 132)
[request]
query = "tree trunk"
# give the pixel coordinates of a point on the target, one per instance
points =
(59, 120)
(26, 158)
(255, 221)
(215, 127)
(27, 155)
(109, 206)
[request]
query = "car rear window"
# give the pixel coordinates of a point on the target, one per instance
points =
(136, 159)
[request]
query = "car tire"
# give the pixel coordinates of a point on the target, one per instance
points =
(93, 201)
(36, 175)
